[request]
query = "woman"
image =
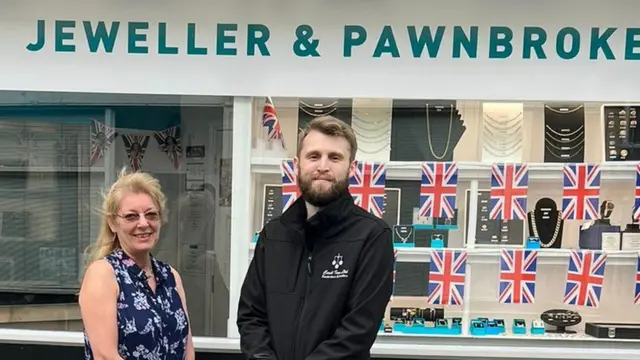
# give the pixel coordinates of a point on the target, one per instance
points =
(133, 306)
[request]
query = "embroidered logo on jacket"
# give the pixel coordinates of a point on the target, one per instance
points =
(337, 271)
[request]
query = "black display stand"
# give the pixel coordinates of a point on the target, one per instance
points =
(564, 138)
(421, 135)
(621, 135)
(546, 216)
(489, 231)
(310, 108)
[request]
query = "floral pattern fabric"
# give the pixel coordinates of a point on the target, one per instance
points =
(151, 326)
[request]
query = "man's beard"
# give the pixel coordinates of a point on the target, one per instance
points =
(321, 197)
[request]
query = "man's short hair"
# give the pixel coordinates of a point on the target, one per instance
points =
(330, 126)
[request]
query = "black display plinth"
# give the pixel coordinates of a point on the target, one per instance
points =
(421, 135)
(564, 134)
(545, 222)
(621, 135)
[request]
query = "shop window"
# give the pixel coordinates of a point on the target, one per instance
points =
(58, 156)
(576, 203)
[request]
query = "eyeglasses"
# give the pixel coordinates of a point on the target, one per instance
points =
(134, 217)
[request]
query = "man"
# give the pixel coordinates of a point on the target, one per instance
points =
(322, 273)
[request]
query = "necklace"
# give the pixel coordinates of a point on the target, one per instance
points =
(446, 148)
(404, 238)
(556, 231)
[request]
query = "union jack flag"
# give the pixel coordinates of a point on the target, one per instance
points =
(509, 185)
(270, 121)
(290, 189)
(438, 189)
(447, 273)
(170, 143)
(585, 278)
(636, 294)
(636, 204)
(367, 186)
(581, 192)
(395, 261)
(136, 145)
(101, 138)
(518, 276)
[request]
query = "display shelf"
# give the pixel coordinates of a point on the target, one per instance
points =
(492, 256)
(410, 170)
(405, 346)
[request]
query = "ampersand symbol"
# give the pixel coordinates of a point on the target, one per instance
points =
(305, 46)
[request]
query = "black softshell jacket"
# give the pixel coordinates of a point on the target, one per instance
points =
(317, 289)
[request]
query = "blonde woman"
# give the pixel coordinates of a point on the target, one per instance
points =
(133, 306)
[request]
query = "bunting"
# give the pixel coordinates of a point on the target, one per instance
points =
(170, 143)
(136, 145)
(102, 137)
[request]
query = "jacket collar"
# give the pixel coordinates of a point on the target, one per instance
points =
(324, 219)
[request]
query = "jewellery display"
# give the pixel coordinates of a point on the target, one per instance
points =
(545, 223)
(493, 232)
(564, 134)
(371, 122)
(502, 132)
(422, 321)
(561, 319)
(403, 236)
(593, 233)
(621, 135)
(308, 109)
(440, 122)
(613, 330)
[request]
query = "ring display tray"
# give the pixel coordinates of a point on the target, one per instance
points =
(613, 330)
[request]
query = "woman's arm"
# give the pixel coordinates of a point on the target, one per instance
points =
(190, 352)
(98, 307)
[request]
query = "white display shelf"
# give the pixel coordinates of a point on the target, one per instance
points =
(410, 170)
(47, 169)
(406, 346)
(492, 256)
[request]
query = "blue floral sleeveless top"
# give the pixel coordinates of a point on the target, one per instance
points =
(150, 326)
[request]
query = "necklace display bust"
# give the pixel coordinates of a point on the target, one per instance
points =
(545, 222)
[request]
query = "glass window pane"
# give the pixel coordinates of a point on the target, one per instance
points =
(57, 158)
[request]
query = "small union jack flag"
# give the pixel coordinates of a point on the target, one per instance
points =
(636, 294)
(636, 204)
(270, 121)
(581, 192)
(290, 189)
(438, 189)
(367, 186)
(447, 273)
(136, 145)
(517, 276)
(101, 138)
(509, 185)
(170, 143)
(585, 278)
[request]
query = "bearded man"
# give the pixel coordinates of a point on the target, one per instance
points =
(322, 273)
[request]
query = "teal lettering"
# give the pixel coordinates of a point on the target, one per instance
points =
(62, 35)
(223, 39)
(257, 37)
(601, 42)
(500, 36)
(101, 35)
(349, 42)
(40, 37)
(561, 46)
(135, 37)
(427, 39)
(631, 44)
(530, 43)
(470, 43)
(386, 43)
(192, 49)
(163, 48)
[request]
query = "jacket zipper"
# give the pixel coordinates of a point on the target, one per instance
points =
(304, 300)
